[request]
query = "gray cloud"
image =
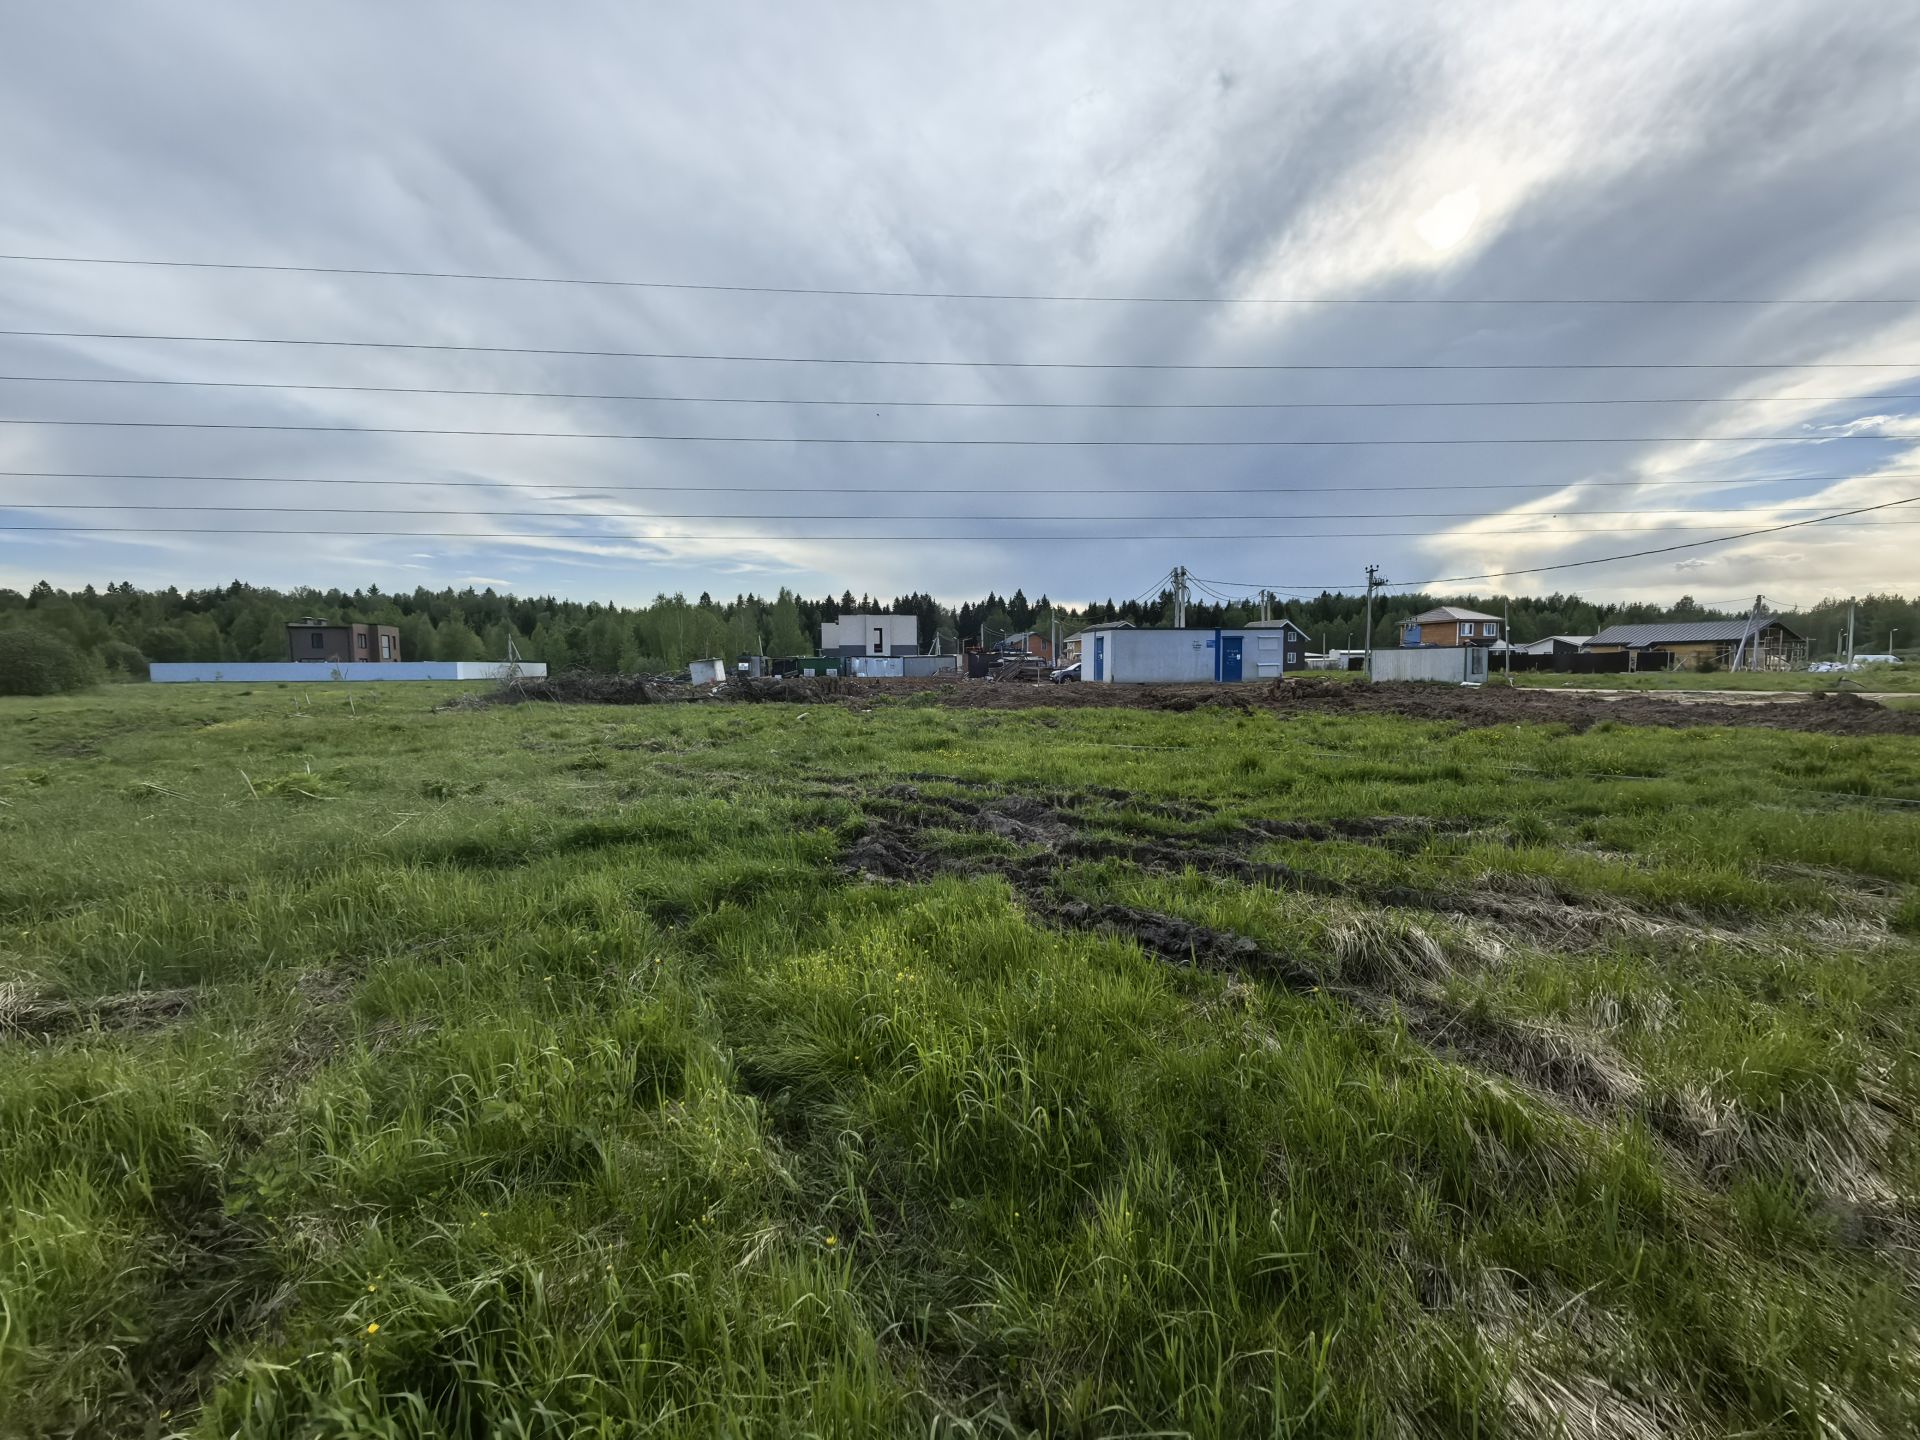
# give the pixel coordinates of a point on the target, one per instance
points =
(1725, 151)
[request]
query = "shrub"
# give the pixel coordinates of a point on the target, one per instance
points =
(120, 658)
(35, 662)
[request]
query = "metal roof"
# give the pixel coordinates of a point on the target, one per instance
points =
(1543, 646)
(1689, 632)
(1450, 612)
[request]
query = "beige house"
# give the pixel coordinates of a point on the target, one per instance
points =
(1450, 625)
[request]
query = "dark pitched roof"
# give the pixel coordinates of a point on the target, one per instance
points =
(1690, 632)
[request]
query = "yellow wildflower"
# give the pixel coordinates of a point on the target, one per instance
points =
(373, 1327)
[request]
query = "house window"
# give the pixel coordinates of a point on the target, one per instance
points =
(879, 640)
(1466, 627)
(386, 647)
(318, 641)
(363, 642)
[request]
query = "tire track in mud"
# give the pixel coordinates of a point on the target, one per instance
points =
(1563, 1068)
(900, 844)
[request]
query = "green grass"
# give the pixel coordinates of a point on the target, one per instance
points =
(374, 1071)
(1874, 679)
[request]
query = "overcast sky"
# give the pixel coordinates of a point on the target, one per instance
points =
(1728, 152)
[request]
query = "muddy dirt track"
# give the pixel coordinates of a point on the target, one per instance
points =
(1494, 705)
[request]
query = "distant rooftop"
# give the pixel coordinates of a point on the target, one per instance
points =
(1687, 632)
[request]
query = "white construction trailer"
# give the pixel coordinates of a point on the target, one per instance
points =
(1192, 656)
(1440, 664)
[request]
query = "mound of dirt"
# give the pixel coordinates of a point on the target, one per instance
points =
(1825, 714)
(1491, 705)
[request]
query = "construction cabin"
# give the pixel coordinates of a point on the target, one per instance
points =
(1261, 650)
(342, 642)
(852, 636)
(1440, 664)
(1757, 642)
(1073, 648)
(1450, 625)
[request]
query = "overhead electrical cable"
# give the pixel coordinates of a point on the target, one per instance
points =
(959, 404)
(1341, 585)
(958, 364)
(597, 488)
(909, 294)
(1024, 442)
(934, 537)
(1078, 516)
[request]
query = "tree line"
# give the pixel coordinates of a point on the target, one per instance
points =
(119, 630)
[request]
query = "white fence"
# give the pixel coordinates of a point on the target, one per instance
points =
(262, 672)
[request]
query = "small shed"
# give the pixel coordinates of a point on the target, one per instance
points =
(1440, 664)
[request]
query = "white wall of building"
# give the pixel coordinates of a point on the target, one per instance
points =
(238, 672)
(871, 635)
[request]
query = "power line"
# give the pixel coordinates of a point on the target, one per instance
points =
(1153, 591)
(1662, 550)
(968, 441)
(897, 489)
(958, 404)
(1307, 590)
(994, 535)
(849, 292)
(952, 364)
(866, 515)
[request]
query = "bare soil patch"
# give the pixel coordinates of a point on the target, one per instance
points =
(1843, 714)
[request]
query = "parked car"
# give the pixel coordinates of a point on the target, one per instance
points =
(1065, 673)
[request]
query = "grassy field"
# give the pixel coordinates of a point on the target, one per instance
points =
(1874, 679)
(367, 1070)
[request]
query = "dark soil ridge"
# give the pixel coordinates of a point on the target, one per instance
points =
(1820, 713)
(1025, 820)
(896, 846)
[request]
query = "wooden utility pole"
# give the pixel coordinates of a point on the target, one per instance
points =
(1374, 582)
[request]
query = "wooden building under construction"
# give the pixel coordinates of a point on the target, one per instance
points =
(1757, 642)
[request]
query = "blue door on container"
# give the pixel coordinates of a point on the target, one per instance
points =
(1230, 656)
(1099, 657)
